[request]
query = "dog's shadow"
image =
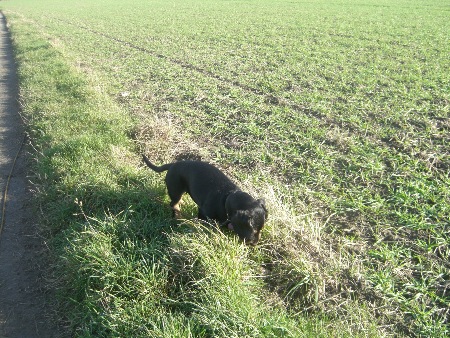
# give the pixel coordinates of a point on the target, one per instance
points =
(138, 208)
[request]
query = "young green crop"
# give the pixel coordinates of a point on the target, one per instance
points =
(337, 113)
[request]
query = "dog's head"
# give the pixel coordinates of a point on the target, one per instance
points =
(246, 216)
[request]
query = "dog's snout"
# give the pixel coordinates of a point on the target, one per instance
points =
(253, 239)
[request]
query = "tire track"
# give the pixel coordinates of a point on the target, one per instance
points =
(269, 99)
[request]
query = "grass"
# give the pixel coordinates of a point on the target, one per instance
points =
(337, 114)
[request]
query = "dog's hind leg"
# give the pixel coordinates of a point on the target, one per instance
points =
(175, 201)
(176, 211)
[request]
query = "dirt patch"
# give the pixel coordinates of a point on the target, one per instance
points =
(24, 306)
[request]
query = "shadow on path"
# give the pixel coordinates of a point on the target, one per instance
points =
(24, 311)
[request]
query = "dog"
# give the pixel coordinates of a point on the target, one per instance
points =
(216, 196)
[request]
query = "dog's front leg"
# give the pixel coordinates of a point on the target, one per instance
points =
(201, 215)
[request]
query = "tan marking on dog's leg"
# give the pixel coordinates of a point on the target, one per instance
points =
(176, 210)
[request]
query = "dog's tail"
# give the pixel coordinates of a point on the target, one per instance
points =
(154, 167)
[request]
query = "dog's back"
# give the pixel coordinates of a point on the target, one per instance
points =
(199, 179)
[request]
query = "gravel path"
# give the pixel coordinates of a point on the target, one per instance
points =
(24, 311)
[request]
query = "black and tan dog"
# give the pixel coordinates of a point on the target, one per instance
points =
(216, 196)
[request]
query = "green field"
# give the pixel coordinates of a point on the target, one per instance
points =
(337, 113)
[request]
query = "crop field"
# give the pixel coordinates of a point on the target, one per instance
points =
(337, 113)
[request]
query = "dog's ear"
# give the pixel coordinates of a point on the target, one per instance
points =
(243, 215)
(263, 205)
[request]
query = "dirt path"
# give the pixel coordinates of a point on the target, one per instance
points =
(23, 307)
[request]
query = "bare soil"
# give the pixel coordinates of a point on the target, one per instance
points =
(25, 311)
